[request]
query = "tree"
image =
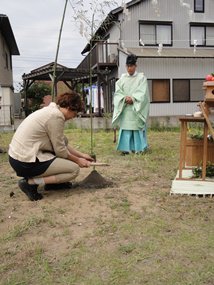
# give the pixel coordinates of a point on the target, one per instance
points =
(90, 15)
(35, 95)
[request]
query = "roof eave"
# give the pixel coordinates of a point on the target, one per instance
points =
(106, 24)
(8, 35)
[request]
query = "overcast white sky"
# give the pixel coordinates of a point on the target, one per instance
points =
(36, 26)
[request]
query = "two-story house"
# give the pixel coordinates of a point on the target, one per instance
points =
(174, 42)
(8, 47)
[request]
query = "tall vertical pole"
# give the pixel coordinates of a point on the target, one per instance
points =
(56, 58)
(90, 80)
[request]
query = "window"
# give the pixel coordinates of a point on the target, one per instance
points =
(181, 90)
(203, 34)
(159, 90)
(188, 90)
(210, 36)
(154, 33)
(196, 90)
(198, 35)
(199, 6)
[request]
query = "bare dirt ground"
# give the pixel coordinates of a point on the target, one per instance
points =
(131, 233)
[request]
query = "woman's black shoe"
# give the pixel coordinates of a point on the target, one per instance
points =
(29, 190)
(59, 186)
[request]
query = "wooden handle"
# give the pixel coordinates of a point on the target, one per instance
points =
(99, 164)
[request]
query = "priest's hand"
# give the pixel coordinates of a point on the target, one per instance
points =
(128, 100)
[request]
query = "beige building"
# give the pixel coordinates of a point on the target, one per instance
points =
(174, 43)
(8, 48)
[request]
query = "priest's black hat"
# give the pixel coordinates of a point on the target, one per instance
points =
(131, 59)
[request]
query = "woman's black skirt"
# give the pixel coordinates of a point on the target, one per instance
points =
(29, 169)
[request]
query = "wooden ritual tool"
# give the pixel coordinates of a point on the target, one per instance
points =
(99, 164)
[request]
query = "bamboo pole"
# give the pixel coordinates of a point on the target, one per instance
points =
(90, 82)
(54, 93)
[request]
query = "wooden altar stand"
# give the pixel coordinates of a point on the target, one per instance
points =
(184, 143)
(184, 182)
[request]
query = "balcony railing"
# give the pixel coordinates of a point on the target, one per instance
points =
(102, 55)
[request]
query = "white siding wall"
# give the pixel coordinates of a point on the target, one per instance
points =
(161, 68)
(122, 64)
(166, 10)
(175, 69)
(170, 68)
(5, 73)
(172, 109)
(114, 33)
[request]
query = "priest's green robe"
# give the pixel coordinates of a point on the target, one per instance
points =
(131, 117)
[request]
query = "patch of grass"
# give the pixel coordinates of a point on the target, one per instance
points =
(127, 248)
(132, 233)
(20, 229)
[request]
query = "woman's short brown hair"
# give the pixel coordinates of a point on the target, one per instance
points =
(71, 100)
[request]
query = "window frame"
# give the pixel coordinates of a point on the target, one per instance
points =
(189, 90)
(202, 25)
(195, 7)
(173, 90)
(155, 24)
(151, 95)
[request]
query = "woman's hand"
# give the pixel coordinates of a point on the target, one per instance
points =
(82, 162)
(79, 157)
(87, 157)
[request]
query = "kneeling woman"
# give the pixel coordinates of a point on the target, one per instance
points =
(38, 151)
